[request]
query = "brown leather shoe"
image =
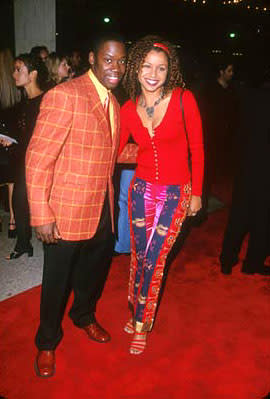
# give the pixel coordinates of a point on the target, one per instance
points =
(45, 364)
(97, 333)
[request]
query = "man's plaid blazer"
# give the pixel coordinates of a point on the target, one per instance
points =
(70, 160)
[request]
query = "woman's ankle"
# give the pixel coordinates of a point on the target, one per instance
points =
(138, 343)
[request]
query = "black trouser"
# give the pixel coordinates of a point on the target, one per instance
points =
(22, 218)
(81, 266)
(249, 214)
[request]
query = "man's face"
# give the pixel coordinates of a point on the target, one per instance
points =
(109, 64)
(76, 58)
(227, 73)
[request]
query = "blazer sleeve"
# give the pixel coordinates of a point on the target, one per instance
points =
(51, 130)
(195, 138)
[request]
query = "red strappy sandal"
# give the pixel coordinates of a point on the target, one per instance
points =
(138, 343)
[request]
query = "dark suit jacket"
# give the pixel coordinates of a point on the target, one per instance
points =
(253, 141)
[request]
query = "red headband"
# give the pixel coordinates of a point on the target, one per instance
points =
(163, 47)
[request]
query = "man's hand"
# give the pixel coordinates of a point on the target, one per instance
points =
(48, 233)
(195, 205)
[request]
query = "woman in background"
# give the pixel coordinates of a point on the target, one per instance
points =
(163, 191)
(59, 69)
(30, 73)
(9, 96)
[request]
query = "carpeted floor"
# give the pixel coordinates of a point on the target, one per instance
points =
(210, 340)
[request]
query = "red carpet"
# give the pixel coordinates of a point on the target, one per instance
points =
(210, 341)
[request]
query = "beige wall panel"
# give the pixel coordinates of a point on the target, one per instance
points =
(35, 24)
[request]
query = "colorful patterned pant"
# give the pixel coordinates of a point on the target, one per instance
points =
(157, 213)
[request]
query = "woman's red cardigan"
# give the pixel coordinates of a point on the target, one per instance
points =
(163, 159)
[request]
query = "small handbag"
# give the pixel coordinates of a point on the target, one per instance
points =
(3, 150)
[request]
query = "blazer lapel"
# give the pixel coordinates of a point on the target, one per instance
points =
(96, 106)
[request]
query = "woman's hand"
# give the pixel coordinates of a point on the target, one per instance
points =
(195, 205)
(5, 143)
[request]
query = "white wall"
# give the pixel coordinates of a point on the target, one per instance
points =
(35, 24)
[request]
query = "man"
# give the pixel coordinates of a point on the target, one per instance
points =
(122, 178)
(220, 117)
(40, 51)
(250, 209)
(76, 63)
(218, 104)
(70, 162)
(225, 75)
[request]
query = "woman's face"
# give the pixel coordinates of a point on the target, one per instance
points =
(153, 72)
(21, 74)
(63, 69)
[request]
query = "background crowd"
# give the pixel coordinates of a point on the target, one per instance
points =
(236, 130)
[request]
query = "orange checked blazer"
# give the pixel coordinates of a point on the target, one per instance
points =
(70, 159)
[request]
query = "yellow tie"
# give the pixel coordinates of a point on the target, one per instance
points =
(107, 110)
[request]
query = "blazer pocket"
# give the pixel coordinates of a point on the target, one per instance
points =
(75, 179)
(73, 190)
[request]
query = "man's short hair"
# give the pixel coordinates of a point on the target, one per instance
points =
(223, 65)
(99, 40)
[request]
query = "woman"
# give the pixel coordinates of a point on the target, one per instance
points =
(9, 96)
(30, 73)
(161, 194)
(59, 69)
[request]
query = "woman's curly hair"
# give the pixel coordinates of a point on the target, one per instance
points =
(136, 57)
